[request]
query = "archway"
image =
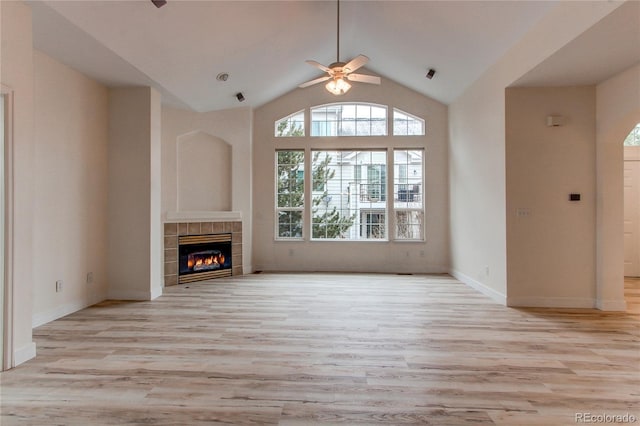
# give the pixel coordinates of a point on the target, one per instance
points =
(632, 213)
(611, 133)
(6, 229)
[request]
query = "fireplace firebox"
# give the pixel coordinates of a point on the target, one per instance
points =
(202, 257)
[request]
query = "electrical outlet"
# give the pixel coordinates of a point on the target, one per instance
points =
(486, 270)
(523, 212)
(58, 286)
(89, 277)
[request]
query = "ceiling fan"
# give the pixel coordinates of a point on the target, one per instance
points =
(339, 72)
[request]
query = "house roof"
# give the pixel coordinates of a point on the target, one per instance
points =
(181, 48)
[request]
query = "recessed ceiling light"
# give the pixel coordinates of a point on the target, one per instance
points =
(223, 76)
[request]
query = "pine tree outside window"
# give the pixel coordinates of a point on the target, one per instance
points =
(291, 125)
(290, 194)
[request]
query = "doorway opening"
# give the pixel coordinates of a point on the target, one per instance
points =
(7, 360)
(632, 219)
(6, 324)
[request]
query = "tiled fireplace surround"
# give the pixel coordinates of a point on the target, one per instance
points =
(174, 230)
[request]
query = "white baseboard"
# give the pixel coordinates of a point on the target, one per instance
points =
(156, 292)
(477, 285)
(611, 305)
(551, 302)
(24, 354)
(133, 294)
(303, 268)
(41, 318)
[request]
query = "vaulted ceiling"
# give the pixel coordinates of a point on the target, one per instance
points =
(181, 47)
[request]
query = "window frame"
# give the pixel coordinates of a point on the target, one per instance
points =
(300, 209)
(409, 194)
(415, 216)
(356, 204)
(422, 121)
(288, 120)
(633, 138)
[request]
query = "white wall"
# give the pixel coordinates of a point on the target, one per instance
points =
(135, 242)
(156, 237)
(70, 218)
(551, 250)
(477, 148)
(356, 256)
(618, 111)
(218, 130)
(16, 72)
(477, 188)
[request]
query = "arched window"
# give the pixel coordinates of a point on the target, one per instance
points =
(362, 192)
(349, 119)
(291, 125)
(633, 139)
(405, 124)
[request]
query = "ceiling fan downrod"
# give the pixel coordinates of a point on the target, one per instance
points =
(338, 32)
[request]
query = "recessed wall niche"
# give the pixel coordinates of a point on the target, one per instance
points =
(204, 173)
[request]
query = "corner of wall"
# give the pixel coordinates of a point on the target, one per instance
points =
(482, 288)
(24, 354)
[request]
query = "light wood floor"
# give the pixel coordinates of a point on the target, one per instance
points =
(327, 348)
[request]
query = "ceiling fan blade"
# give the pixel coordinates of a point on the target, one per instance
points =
(355, 63)
(316, 81)
(362, 78)
(319, 65)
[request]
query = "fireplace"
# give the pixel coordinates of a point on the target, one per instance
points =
(202, 257)
(176, 230)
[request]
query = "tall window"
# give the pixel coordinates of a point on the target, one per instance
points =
(357, 119)
(348, 200)
(408, 194)
(290, 194)
(351, 196)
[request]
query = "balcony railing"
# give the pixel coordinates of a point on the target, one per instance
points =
(408, 193)
(375, 192)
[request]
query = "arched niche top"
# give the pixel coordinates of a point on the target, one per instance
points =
(199, 134)
(203, 172)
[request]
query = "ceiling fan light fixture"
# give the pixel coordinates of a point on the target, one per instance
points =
(338, 86)
(339, 72)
